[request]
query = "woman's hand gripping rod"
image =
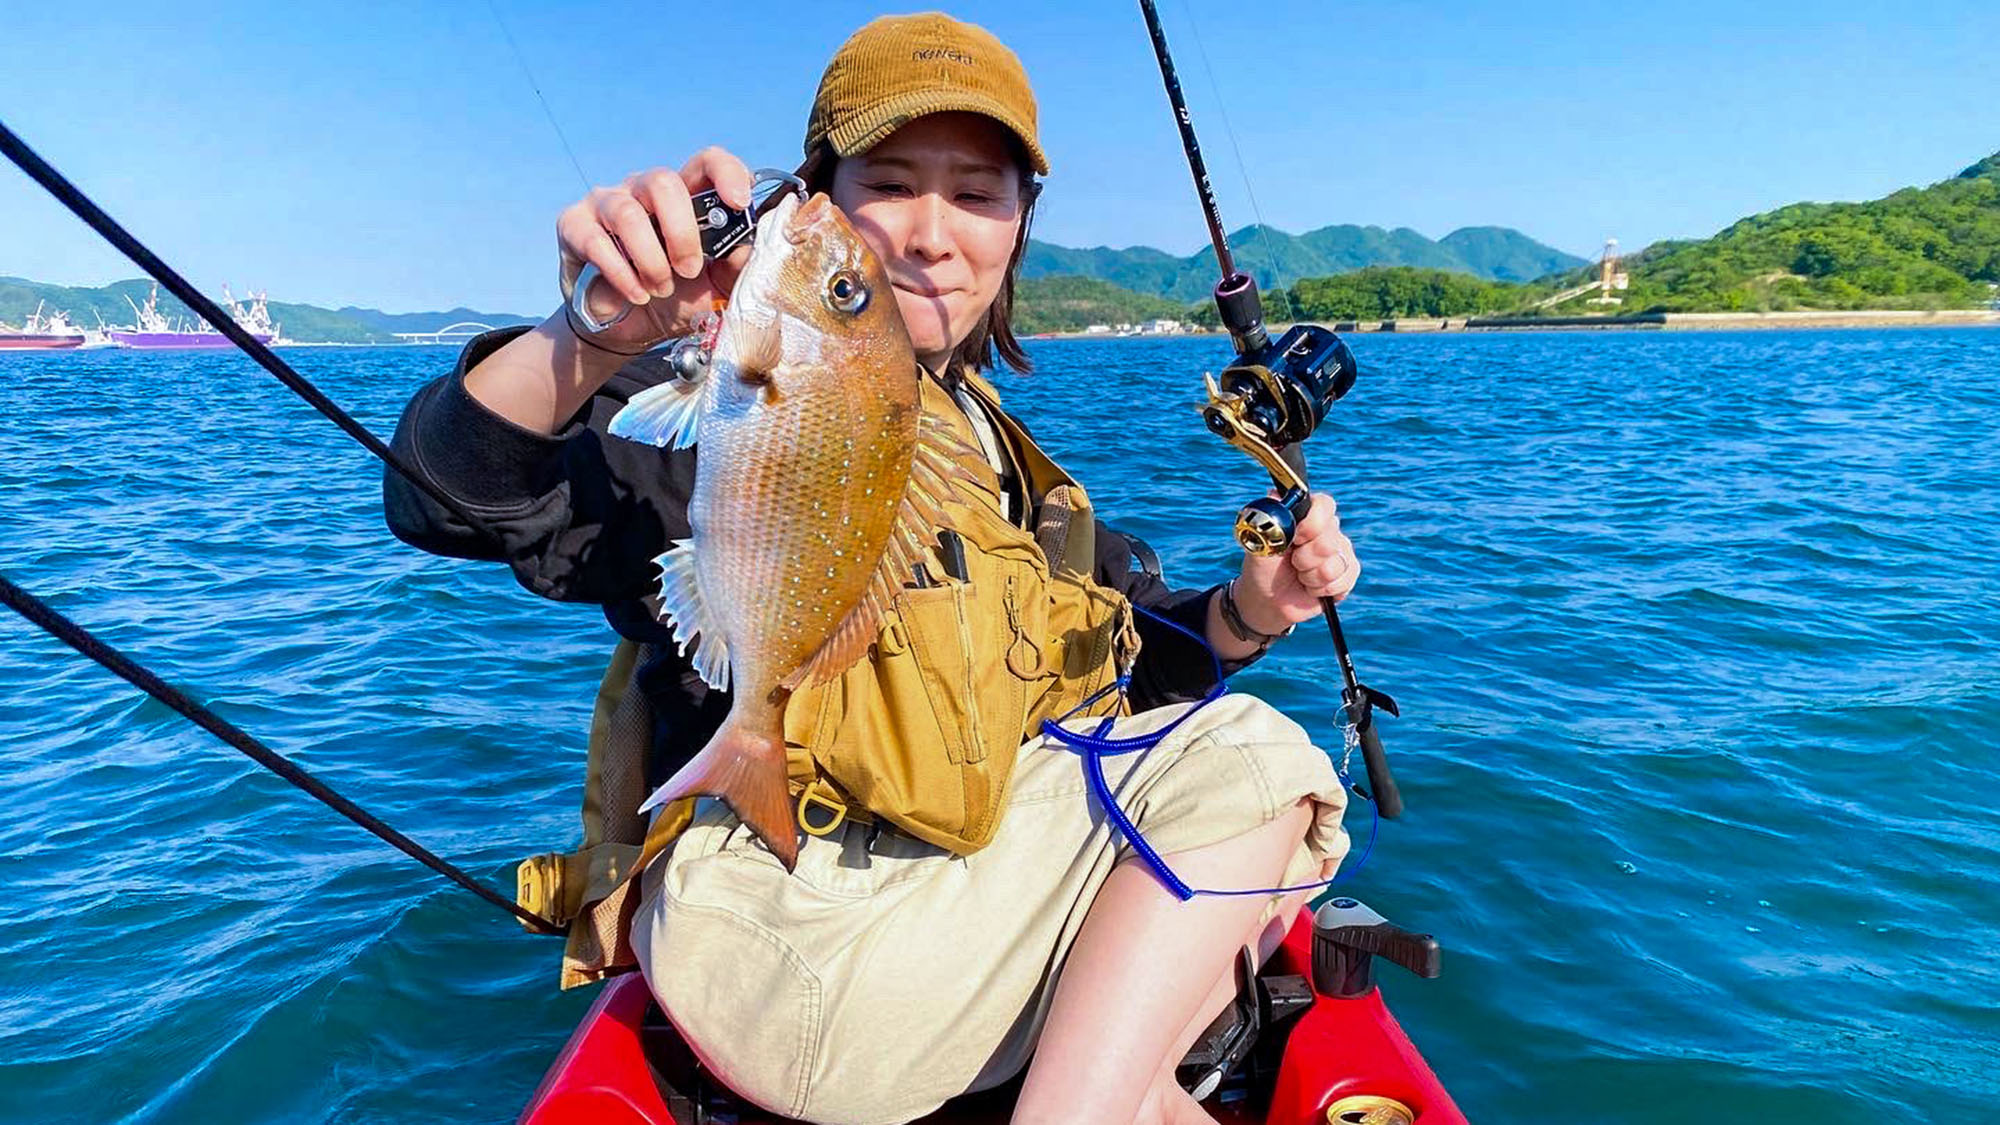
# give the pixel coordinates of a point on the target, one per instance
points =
(1267, 403)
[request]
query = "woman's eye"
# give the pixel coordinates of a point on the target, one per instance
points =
(888, 187)
(976, 198)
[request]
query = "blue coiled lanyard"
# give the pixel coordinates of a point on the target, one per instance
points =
(1095, 746)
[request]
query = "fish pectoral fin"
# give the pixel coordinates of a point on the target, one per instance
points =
(940, 462)
(667, 415)
(682, 605)
(747, 770)
(758, 350)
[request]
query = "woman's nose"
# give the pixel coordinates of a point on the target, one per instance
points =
(930, 233)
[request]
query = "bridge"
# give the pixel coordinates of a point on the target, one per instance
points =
(450, 333)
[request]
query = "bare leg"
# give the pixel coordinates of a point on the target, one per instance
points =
(1144, 970)
(1165, 1100)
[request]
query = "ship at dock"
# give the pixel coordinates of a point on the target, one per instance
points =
(154, 331)
(53, 332)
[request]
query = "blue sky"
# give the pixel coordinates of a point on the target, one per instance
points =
(393, 154)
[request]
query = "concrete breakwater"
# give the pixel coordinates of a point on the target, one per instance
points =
(1685, 322)
(1642, 322)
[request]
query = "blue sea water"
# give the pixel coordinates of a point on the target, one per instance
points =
(1694, 637)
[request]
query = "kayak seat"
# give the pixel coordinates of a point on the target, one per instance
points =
(1345, 1059)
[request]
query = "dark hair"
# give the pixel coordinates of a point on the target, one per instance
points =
(996, 332)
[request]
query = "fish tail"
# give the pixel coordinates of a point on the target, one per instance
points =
(747, 770)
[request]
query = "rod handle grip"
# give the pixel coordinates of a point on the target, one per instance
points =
(1381, 783)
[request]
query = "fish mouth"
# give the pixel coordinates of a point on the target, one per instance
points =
(784, 217)
(805, 216)
(759, 272)
(752, 298)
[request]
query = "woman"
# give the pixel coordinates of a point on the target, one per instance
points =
(887, 974)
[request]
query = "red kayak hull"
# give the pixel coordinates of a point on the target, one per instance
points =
(1339, 1048)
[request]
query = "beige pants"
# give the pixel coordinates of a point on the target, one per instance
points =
(886, 975)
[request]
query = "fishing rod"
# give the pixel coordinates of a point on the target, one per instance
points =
(93, 216)
(1267, 403)
(75, 636)
(52, 622)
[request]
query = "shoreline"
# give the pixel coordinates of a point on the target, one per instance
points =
(1657, 322)
(1653, 322)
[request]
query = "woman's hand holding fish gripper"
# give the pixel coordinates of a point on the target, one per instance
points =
(1274, 593)
(642, 237)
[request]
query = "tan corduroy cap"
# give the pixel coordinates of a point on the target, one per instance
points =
(899, 68)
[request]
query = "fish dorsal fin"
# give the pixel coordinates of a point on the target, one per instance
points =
(667, 415)
(681, 604)
(943, 460)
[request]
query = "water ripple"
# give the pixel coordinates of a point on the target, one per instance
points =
(1694, 636)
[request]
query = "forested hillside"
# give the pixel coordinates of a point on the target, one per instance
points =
(1070, 304)
(1936, 247)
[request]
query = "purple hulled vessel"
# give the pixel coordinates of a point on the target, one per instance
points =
(155, 331)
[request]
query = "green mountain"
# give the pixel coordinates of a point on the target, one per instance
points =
(1930, 247)
(114, 305)
(1277, 259)
(1505, 254)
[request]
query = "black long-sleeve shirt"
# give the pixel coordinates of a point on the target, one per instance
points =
(580, 516)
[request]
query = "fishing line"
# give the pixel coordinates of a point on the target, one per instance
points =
(82, 640)
(82, 207)
(1242, 168)
(522, 61)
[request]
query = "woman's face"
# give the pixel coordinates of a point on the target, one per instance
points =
(939, 202)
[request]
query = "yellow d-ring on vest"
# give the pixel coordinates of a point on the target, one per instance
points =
(809, 796)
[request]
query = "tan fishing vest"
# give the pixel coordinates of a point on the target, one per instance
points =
(922, 733)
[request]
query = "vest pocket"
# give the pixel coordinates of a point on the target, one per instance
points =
(939, 668)
(924, 734)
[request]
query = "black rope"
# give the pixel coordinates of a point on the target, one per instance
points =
(80, 639)
(69, 196)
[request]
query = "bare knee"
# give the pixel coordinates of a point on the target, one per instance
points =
(1167, 1104)
(1273, 932)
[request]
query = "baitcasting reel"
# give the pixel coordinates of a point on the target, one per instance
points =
(1269, 401)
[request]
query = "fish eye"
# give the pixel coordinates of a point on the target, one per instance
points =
(846, 292)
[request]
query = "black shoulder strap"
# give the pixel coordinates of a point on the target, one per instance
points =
(1143, 554)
